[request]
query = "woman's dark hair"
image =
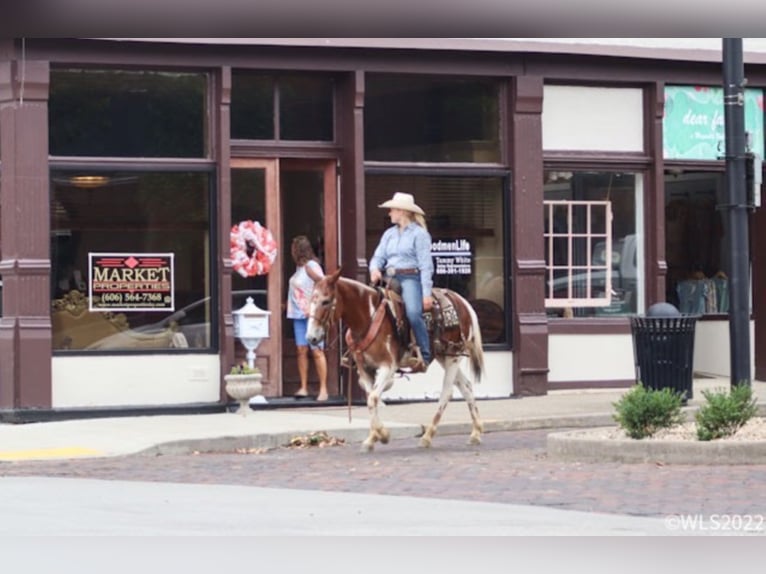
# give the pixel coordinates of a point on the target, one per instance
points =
(302, 251)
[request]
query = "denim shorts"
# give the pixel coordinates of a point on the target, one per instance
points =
(299, 328)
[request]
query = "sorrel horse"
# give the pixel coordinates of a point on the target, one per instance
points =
(379, 344)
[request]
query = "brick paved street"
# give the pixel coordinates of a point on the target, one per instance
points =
(509, 467)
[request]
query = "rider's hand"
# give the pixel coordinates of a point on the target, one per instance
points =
(375, 276)
(428, 303)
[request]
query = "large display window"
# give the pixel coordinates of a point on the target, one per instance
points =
(576, 259)
(465, 216)
(130, 260)
(696, 242)
(128, 113)
(432, 119)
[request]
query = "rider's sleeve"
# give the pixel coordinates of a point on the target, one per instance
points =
(378, 259)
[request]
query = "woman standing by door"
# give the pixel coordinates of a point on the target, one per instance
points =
(301, 284)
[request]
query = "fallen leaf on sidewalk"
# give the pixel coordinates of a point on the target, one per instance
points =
(320, 439)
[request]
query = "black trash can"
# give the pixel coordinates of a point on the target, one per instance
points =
(663, 349)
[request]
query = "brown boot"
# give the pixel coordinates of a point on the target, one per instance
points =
(417, 365)
(415, 362)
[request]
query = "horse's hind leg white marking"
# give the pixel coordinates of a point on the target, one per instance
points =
(378, 432)
(451, 369)
(466, 389)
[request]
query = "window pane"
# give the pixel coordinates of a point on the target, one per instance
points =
(248, 202)
(252, 106)
(421, 119)
(305, 108)
(464, 212)
(696, 247)
(120, 113)
(623, 191)
(130, 213)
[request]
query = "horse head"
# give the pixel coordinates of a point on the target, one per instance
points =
(322, 307)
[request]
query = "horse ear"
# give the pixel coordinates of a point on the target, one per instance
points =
(333, 277)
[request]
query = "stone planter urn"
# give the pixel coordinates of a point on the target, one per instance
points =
(242, 388)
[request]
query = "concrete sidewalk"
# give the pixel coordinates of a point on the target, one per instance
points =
(269, 428)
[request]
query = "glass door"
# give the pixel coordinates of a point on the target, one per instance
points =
(308, 190)
(255, 197)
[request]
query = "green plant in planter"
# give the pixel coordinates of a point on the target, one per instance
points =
(725, 413)
(641, 412)
(244, 369)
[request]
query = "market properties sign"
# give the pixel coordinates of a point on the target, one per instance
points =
(693, 126)
(131, 281)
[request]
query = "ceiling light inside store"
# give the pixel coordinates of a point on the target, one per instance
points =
(89, 180)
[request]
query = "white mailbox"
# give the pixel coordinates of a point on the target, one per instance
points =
(251, 324)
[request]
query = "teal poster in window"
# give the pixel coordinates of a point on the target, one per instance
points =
(693, 126)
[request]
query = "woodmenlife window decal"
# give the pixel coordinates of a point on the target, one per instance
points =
(131, 282)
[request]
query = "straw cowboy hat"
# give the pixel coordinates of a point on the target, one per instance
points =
(403, 201)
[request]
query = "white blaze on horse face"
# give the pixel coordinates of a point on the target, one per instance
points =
(314, 331)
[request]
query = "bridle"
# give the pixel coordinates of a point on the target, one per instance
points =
(327, 316)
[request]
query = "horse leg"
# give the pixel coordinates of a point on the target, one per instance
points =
(466, 389)
(451, 367)
(377, 431)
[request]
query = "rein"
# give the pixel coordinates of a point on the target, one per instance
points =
(357, 348)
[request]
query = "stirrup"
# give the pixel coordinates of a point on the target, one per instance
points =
(417, 365)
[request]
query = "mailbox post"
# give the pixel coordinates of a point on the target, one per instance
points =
(251, 324)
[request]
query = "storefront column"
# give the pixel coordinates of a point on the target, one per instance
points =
(654, 202)
(351, 234)
(530, 324)
(25, 327)
(352, 222)
(223, 208)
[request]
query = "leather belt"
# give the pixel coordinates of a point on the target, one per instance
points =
(408, 271)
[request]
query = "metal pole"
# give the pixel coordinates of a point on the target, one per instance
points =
(737, 210)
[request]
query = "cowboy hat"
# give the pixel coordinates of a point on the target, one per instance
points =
(403, 201)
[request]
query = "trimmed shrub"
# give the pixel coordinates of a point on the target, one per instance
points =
(641, 412)
(725, 413)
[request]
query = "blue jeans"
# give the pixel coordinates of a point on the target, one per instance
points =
(412, 295)
(300, 326)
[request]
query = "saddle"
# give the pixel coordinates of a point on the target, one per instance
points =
(443, 315)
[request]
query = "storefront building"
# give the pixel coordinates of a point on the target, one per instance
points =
(567, 187)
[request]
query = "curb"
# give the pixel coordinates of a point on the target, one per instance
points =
(576, 446)
(268, 440)
(357, 435)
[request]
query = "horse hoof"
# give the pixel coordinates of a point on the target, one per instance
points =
(365, 448)
(384, 436)
(474, 440)
(425, 442)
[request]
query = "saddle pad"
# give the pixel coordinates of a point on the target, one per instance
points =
(445, 308)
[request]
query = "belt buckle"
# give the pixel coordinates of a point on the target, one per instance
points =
(390, 271)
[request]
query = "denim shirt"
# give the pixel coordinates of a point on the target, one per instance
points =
(406, 248)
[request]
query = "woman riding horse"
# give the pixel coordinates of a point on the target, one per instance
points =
(404, 252)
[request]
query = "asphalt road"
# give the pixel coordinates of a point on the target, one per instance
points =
(508, 468)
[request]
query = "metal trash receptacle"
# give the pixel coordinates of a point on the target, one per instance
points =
(663, 349)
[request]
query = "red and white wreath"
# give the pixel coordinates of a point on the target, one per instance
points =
(253, 248)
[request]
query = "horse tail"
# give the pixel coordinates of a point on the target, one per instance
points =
(474, 344)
